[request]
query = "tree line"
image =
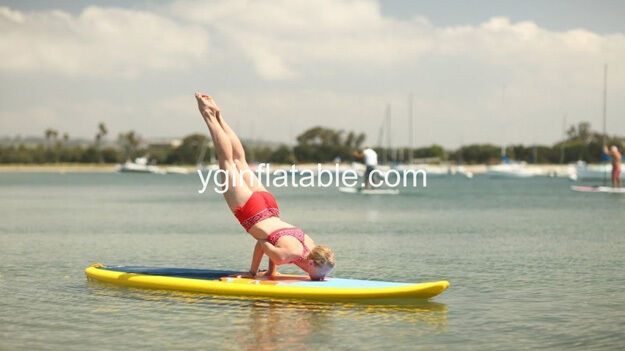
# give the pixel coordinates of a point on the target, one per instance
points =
(317, 144)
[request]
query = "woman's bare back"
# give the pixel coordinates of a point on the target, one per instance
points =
(262, 229)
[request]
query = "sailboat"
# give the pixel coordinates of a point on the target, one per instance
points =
(584, 171)
(139, 165)
(511, 169)
(200, 160)
(432, 171)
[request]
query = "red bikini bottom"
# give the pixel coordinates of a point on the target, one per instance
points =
(261, 205)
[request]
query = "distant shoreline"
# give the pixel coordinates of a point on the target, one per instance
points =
(110, 168)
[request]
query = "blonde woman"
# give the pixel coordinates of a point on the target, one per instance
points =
(257, 209)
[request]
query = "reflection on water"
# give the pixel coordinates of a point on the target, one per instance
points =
(271, 324)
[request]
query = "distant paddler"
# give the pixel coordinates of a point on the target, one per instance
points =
(370, 158)
(616, 156)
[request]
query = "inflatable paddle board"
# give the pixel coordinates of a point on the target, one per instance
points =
(218, 282)
(598, 189)
(369, 191)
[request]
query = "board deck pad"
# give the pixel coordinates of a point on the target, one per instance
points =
(230, 283)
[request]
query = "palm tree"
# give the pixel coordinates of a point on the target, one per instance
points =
(50, 134)
(102, 131)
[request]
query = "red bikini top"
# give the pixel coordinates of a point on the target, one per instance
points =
(294, 232)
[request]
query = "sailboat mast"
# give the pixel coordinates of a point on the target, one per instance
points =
(411, 129)
(381, 135)
(563, 140)
(605, 88)
(381, 139)
(388, 132)
(200, 159)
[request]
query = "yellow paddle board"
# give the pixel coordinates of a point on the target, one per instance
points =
(284, 286)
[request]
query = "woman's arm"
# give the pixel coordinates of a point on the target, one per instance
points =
(276, 254)
(272, 271)
(257, 256)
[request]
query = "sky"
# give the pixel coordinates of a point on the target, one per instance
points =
(502, 72)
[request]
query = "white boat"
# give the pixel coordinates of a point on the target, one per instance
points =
(139, 165)
(212, 164)
(176, 170)
(463, 171)
(584, 171)
(511, 170)
(208, 167)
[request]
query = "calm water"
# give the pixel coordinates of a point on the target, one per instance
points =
(532, 265)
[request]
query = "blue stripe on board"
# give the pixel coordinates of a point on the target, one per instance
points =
(210, 274)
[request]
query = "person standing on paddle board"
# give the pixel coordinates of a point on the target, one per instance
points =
(257, 209)
(370, 158)
(616, 165)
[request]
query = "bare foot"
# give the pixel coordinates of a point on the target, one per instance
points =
(207, 106)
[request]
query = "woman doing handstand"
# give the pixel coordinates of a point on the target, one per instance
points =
(256, 209)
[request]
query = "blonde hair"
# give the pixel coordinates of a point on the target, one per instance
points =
(322, 256)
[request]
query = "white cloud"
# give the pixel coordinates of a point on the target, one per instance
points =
(287, 65)
(281, 37)
(278, 36)
(97, 42)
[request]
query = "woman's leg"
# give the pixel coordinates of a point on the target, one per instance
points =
(238, 155)
(238, 192)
